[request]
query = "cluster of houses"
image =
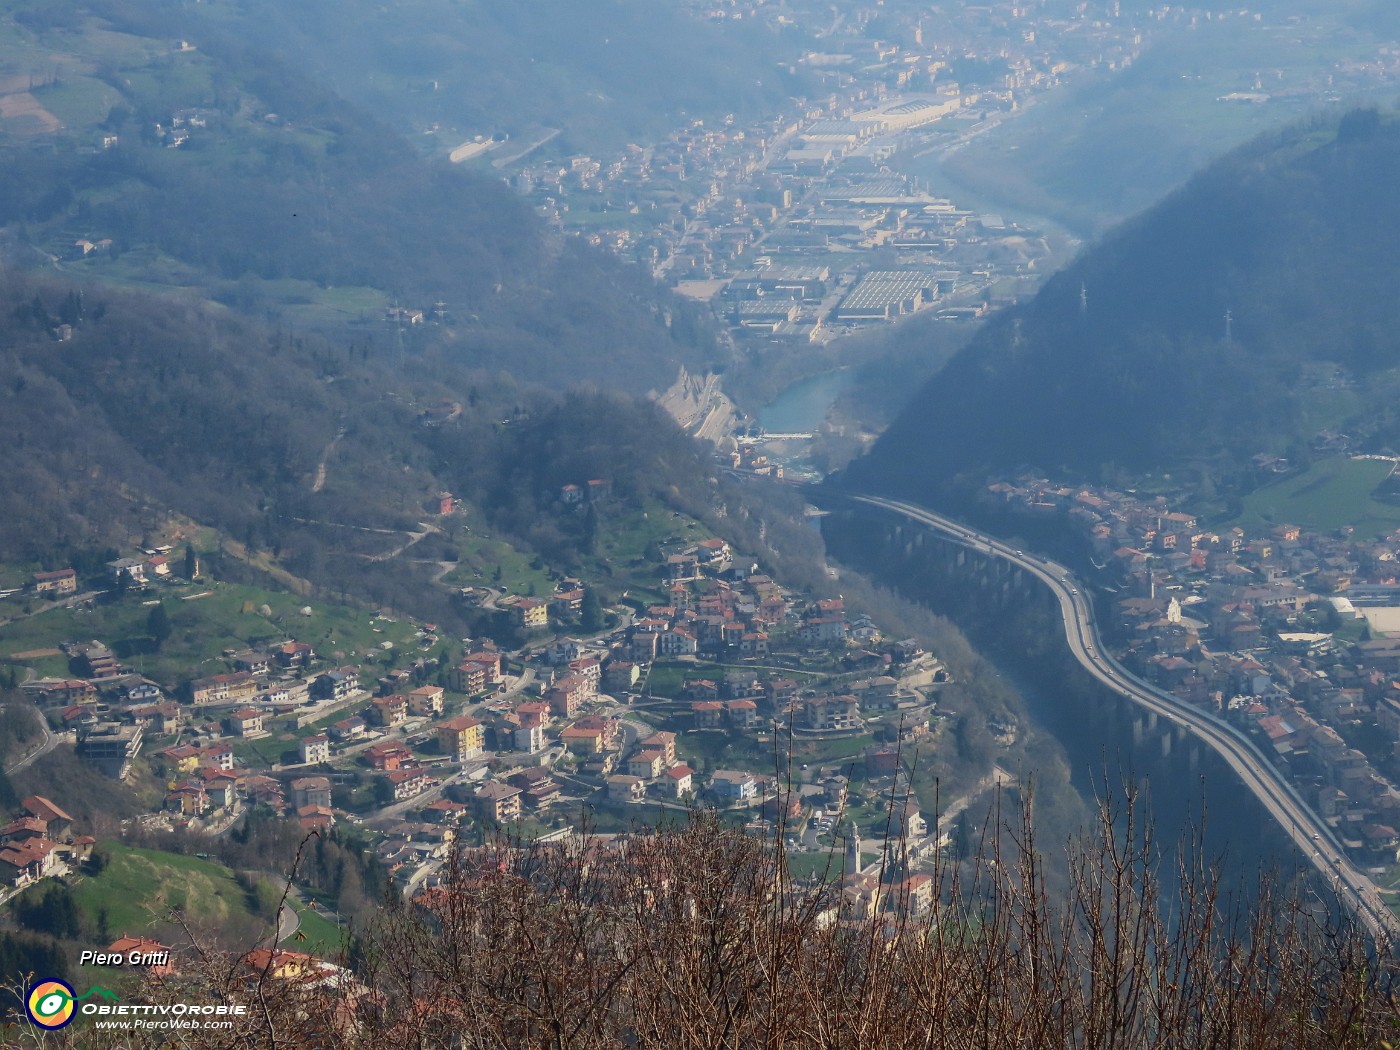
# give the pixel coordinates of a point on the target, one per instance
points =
(39, 843)
(739, 700)
(716, 611)
(112, 708)
(714, 617)
(1292, 634)
(503, 752)
(152, 565)
(206, 783)
(529, 613)
(597, 747)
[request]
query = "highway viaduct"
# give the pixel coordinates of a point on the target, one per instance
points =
(1175, 723)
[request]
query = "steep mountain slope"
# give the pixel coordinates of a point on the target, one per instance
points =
(1246, 313)
(315, 459)
(593, 75)
(602, 73)
(1210, 76)
(224, 173)
(231, 299)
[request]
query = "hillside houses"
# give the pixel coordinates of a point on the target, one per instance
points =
(709, 615)
(479, 671)
(497, 802)
(1265, 629)
(406, 783)
(55, 584)
(38, 843)
(338, 684)
(224, 688)
(272, 725)
(388, 711)
(529, 613)
(461, 738)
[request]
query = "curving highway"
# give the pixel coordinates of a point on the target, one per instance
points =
(1314, 838)
(46, 744)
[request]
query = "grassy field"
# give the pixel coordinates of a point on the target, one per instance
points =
(182, 80)
(139, 891)
(494, 563)
(1330, 494)
(667, 678)
(203, 625)
(838, 749)
(628, 544)
(825, 864)
(316, 934)
(613, 220)
(629, 536)
(264, 751)
(141, 887)
(306, 301)
(724, 751)
(16, 574)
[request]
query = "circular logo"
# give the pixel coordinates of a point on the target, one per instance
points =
(50, 1004)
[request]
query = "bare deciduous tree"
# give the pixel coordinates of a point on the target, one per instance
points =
(696, 937)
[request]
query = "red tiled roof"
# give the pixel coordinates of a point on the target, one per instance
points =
(39, 806)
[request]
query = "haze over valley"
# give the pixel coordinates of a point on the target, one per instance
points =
(596, 523)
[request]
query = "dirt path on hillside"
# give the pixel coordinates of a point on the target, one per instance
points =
(320, 482)
(428, 529)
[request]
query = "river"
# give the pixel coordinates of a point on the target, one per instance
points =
(802, 407)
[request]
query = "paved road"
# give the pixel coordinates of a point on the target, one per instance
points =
(47, 745)
(39, 608)
(288, 920)
(393, 813)
(1310, 834)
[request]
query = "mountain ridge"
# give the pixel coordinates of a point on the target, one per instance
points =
(1244, 314)
(225, 174)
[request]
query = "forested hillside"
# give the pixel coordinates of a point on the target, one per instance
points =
(1249, 312)
(221, 172)
(153, 407)
(602, 74)
(233, 300)
(597, 75)
(1207, 77)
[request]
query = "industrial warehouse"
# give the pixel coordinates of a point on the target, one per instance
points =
(882, 295)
